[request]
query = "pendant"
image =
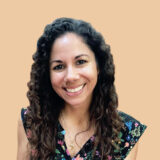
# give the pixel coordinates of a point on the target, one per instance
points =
(71, 146)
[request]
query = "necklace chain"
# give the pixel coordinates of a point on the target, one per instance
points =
(72, 143)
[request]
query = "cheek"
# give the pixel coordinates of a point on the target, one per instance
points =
(90, 73)
(56, 80)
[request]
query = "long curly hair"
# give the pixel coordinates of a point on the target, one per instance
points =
(45, 105)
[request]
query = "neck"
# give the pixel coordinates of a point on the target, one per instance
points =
(76, 116)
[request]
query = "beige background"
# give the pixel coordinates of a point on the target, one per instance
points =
(132, 29)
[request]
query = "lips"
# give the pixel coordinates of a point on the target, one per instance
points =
(75, 89)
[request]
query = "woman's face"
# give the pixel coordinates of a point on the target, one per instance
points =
(73, 69)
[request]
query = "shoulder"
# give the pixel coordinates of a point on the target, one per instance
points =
(22, 125)
(23, 146)
(131, 123)
(23, 113)
(21, 129)
(21, 119)
(129, 136)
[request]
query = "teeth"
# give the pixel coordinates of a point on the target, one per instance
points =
(75, 89)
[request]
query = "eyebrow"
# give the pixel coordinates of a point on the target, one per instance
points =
(59, 61)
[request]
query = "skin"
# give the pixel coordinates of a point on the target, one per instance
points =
(73, 64)
(23, 145)
(133, 153)
(23, 141)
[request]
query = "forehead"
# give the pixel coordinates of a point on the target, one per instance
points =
(70, 45)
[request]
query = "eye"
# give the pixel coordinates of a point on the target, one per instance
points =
(58, 67)
(79, 62)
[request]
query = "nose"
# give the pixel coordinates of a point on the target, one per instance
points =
(71, 74)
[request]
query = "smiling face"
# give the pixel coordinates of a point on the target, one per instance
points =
(73, 70)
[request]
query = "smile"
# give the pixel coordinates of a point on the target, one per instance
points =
(74, 91)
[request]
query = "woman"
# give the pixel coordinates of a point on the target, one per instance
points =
(73, 103)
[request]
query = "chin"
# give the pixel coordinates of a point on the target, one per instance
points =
(75, 104)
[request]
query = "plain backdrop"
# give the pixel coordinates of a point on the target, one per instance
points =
(131, 27)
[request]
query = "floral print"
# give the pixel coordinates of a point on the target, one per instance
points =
(128, 138)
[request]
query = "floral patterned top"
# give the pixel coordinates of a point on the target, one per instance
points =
(128, 138)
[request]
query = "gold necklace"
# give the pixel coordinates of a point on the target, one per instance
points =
(72, 143)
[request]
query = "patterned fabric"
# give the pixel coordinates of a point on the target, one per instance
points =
(128, 138)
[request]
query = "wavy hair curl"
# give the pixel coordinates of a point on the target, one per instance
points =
(45, 105)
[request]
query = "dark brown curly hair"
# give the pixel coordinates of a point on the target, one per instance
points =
(45, 105)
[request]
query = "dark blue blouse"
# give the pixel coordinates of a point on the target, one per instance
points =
(128, 138)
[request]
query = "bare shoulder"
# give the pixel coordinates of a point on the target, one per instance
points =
(23, 146)
(133, 153)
